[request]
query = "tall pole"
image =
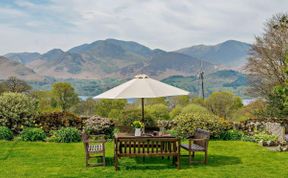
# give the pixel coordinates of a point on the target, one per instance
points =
(202, 84)
(142, 101)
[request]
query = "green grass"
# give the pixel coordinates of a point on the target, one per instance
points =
(226, 159)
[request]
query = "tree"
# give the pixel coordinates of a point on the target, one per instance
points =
(158, 111)
(64, 95)
(179, 100)
(223, 104)
(17, 110)
(46, 101)
(105, 106)
(266, 66)
(86, 108)
(14, 84)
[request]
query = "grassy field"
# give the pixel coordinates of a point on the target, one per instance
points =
(226, 159)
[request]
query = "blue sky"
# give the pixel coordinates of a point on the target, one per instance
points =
(40, 25)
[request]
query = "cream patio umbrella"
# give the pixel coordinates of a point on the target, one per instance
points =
(141, 87)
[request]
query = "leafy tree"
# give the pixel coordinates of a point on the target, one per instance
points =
(179, 100)
(158, 111)
(192, 108)
(17, 110)
(14, 84)
(267, 65)
(223, 104)
(105, 106)
(46, 101)
(86, 108)
(64, 94)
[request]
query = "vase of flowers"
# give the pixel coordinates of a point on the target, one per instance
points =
(138, 126)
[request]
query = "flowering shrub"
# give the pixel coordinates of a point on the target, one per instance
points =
(186, 124)
(166, 124)
(17, 110)
(99, 125)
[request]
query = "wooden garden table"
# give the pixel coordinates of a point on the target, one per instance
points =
(128, 145)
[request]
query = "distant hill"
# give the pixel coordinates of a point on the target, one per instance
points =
(24, 57)
(230, 53)
(111, 58)
(13, 68)
(218, 81)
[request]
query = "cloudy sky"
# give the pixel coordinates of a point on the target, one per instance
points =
(40, 25)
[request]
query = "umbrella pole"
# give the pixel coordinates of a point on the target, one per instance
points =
(142, 101)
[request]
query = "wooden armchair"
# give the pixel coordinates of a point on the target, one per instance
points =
(94, 146)
(199, 142)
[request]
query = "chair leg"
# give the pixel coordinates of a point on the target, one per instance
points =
(116, 163)
(190, 158)
(193, 155)
(178, 161)
(103, 159)
(206, 157)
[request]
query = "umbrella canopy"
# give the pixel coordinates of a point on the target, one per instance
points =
(141, 87)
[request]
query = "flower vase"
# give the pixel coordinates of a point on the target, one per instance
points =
(137, 132)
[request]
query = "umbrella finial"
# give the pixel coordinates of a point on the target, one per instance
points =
(141, 76)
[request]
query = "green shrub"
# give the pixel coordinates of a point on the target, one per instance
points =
(231, 135)
(57, 120)
(33, 134)
(131, 115)
(99, 125)
(186, 124)
(158, 111)
(65, 135)
(5, 133)
(262, 136)
(191, 108)
(17, 110)
(248, 138)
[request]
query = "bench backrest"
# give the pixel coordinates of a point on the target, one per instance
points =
(202, 134)
(146, 146)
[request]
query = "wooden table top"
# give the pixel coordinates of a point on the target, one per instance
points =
(147, 135)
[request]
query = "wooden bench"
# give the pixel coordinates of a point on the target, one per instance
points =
(131, 146)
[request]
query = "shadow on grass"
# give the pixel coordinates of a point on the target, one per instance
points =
(158, 163)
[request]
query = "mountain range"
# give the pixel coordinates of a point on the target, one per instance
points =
(119, 59)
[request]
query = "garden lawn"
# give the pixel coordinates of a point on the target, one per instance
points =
(226, 159)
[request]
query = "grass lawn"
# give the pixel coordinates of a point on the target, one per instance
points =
(226, 159)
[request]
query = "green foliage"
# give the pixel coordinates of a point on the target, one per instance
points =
(179, 100)
(137, 124)
(158, 111)
(191, 108)
(105, 106)
(231, 135)
(5, 133)
(57, 120)
(13, 84)
(99, 125)
(262, 136)
(65, 135)
(223, 104)
(278, 102)
(17, 110)
(186, 124)
(33, 134)
(132, 114)
(175, 112)
(85, 108)
(64, 95)
(46, 101)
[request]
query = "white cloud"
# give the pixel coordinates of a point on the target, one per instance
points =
(166, 24)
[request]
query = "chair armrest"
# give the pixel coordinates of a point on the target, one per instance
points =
(198, 139)
(96, 141)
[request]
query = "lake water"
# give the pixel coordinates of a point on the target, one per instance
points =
(130, 101)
